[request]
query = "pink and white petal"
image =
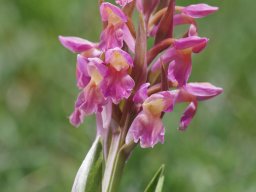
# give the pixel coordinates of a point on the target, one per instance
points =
(76, 44)
(169, 98)
(147, 130)
(117, 85)
(91, 100)
(168, 56)
(103, 120)
(179, 70)
(188, 115)
(82, 75)
(111, 38)
(128, 38)
(181, 19)
(118, 59)
(192, 30)
(108, 10)
(193, 42)
(141, 95)
(76, 118)
(199, 10)
(202, 91)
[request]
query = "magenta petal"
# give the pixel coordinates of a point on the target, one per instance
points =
(179, 70)
(199, 10)
(112, 13)
(103, 120)
(188, 115)
(82, 75)
(168, 56)
(90, 100)
(76, 44)
(169, 100)
(193, 42)
(84, 70)
(202, 91)
(128, 38)
(141, 94)
(117, 85)
(111, 38)
(118, 59)
(76, 118)
(181, 19)
(192, 30)
(147, 129)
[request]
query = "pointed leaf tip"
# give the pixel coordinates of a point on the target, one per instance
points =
(89, 175)
(156, 183)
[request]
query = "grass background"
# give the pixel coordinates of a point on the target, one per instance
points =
(41, 151)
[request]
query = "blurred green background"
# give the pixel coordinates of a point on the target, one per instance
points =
(41, 151)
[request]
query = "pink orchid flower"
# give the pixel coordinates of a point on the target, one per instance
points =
(116, 31)
(118, 84)
(147, 127)
(90, 100)
(192, 93)
(179, 58)
(79, 45)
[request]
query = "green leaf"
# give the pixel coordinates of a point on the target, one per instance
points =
(89, 175)
(156, 183)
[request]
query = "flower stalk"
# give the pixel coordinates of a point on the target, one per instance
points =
(130, 86)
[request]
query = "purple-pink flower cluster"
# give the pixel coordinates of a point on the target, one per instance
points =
(130, 85)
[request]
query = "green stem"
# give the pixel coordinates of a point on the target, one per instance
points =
(117, 172)
(120, 162)
(114, 148)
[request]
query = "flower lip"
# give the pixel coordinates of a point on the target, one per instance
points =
(112, 14)
(118, 59)
(141, 95)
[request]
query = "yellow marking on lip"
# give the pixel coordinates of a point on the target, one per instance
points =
(155, 107)
(186, 51)
(112, 17)
(95, 76)
(118, 61)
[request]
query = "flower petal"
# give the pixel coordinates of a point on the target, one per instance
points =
(82, 75)
(188, 115)
(111, 38)
(179, 70)
(194, 42)
(141, 94)
(202, 91)
(128, 38)
(76, 44)
(118, 59)
(147, 129)
(76, 118)
(112, 14)
(117, 85)
(168, 56)
(199, 10)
